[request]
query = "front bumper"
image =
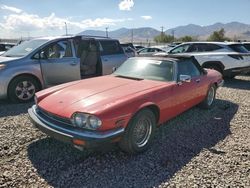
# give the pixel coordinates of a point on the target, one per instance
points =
(70, 135)
(237, 71)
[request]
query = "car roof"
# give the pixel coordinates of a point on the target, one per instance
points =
(71, 36)
(211, 42)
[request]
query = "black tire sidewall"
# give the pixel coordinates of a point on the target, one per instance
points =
(130, 146)
(12, 87)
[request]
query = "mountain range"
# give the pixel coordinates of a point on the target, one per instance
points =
(234, 30)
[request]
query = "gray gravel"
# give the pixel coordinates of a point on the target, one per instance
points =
(200, 148)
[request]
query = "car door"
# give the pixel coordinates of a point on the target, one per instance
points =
(112, 55)
(189, 93)
(59, 63)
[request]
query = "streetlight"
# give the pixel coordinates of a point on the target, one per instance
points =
(66, 29)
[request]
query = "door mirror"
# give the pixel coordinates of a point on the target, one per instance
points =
(114, 69)
(185, 78)
(43, 55)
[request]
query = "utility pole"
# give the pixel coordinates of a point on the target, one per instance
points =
(107, 34)
(132, 36)
(173, 33)
(66, 29)
(162, 28)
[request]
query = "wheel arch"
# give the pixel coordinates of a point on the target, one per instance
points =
(217, 63)
(151, 106)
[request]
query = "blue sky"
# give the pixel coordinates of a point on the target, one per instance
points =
(47, 17)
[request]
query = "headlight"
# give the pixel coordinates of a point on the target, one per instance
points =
(2, 66)
(87, 121)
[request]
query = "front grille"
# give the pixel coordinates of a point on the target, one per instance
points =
(53, 118)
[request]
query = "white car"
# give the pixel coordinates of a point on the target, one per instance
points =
(229, 58)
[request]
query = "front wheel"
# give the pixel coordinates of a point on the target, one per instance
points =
(209, 100)
(139, 132)
(22, 89)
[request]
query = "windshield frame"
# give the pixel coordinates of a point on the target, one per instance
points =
(174, 69)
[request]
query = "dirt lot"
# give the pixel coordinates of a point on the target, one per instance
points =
(199, 148)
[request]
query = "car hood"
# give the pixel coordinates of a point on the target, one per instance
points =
(4, 59)
(96, 94)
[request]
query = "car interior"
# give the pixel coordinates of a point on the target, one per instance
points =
(90, 64)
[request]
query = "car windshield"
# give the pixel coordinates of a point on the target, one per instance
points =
(24, 48)
(150, 69)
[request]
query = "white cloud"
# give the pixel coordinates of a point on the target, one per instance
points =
(146, 17)
(12, 9)
(126, 5)
(36, 25)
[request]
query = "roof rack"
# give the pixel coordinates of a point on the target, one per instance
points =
(92, 36)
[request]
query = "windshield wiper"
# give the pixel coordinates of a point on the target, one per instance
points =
(128, 77)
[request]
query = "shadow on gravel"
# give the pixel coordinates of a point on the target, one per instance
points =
(174, 146)
(10, 109)
(237, 83)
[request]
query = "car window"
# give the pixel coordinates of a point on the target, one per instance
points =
(110, 47)
(57, 50)
(238, 48)
(247, 46)
(180, 49)
(187, 67)
(145, 50)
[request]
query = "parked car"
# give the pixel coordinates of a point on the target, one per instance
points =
(44, 62)
(149, 51)
(141, 94)
(5, 46)
(130, 52)
(138, 47)
(229, 58)
(246, 45)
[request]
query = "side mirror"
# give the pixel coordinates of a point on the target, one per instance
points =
(114, 69)
(43, 55)
(185, 78)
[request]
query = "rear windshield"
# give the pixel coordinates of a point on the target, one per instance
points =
(238, 48)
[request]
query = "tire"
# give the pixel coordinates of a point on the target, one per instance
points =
(22, 89)
(131, 141)
(209, 100)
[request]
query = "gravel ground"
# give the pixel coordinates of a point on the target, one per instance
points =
(200, 148)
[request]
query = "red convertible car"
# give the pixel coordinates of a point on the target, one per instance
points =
(127, 106)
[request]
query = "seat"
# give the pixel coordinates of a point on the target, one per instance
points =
(89, 60)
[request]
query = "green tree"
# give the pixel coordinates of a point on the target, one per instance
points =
(218, 36)
(186, 39)
(163, 38)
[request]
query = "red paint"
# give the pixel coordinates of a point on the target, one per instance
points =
(112, 99)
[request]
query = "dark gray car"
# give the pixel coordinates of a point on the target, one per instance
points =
(44, 62)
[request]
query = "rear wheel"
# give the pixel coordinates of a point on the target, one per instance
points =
(22, 89)
(209, 100)
(139, 132)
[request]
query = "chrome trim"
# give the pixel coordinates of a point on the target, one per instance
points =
(75, 133)
(220, 84)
